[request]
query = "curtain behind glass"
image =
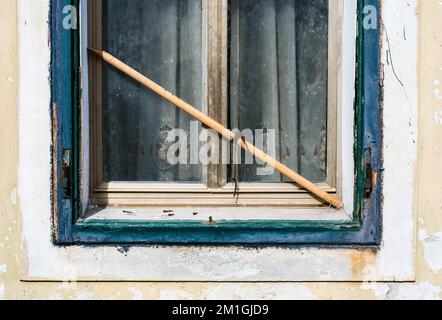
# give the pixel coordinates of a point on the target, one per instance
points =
(161, 39)
(278, 67)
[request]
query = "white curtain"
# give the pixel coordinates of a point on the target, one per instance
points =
(278, 78)
(162, 39)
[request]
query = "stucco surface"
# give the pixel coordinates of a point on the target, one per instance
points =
(428, 196)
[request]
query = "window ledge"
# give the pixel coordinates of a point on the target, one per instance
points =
(205, 215)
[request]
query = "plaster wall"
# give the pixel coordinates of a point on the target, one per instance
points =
(426, 190)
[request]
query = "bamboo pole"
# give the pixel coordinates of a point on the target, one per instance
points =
(226, 133)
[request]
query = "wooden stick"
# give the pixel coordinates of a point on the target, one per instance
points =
(228, 134)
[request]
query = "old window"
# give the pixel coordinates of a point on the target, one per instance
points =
(292, 76)
(261, 67)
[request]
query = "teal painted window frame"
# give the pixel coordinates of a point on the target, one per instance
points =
(364, 230)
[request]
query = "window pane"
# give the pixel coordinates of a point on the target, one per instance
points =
(278, 79)
(161, 39)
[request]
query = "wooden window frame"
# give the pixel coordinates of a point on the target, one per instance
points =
(71, 228)
(215, 189)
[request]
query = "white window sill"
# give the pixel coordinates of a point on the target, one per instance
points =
(218, 214)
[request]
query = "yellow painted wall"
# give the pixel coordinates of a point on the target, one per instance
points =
(429, 265)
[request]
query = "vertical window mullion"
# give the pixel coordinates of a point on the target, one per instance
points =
(334, 120)
(95, 12)
(234, 54)
(217, 81)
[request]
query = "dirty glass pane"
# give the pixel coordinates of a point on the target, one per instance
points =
(278, 81)
(161, 39)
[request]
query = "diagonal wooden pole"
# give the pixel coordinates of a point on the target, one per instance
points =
(226, 133)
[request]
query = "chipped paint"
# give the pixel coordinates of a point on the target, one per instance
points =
(362, 261)
(404, 291)
(13, 196)
(137, 295)
(259, 292)
(438, 117)
(437, 91)
(380, 290)
(420, 291)
(432, 249)
(175, 294)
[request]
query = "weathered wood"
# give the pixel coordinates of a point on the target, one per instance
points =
(226, 133)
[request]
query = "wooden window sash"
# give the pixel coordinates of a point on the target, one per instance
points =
(215, 189)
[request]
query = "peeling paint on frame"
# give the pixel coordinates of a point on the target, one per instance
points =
(365, 229)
